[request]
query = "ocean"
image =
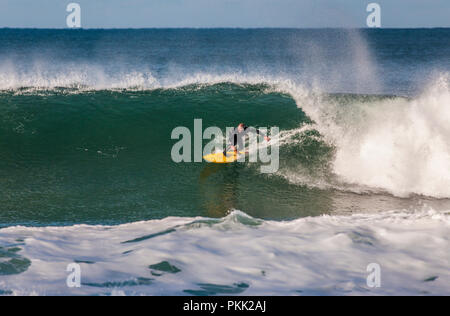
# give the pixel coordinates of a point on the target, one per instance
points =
(87, 178)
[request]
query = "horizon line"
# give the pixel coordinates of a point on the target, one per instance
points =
(224, 28)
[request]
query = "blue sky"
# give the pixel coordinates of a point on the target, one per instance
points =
(223, 13)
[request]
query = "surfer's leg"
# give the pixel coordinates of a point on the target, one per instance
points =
(233, 142)
(226, 150)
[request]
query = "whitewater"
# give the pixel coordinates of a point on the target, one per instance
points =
(238, 254)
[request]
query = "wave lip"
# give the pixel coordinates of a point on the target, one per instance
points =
(79, 77)
(321, 256)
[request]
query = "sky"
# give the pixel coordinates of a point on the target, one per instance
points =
(224, 13)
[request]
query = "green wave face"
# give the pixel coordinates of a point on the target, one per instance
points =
(104, 156)
(69, 156)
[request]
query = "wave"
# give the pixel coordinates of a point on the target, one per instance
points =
(366, 143)
(325, 255)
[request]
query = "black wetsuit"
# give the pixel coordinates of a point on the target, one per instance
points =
(237, 138)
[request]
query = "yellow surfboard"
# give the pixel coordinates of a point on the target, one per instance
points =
(221, 158)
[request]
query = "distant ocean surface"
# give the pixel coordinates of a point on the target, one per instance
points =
(86, 174)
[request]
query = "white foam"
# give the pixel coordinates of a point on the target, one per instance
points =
(44, 75)
(323, 255)
(398, 145)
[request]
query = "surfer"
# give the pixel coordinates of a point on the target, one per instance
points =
(237, 135)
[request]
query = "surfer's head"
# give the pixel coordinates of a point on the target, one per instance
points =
(241, 127)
